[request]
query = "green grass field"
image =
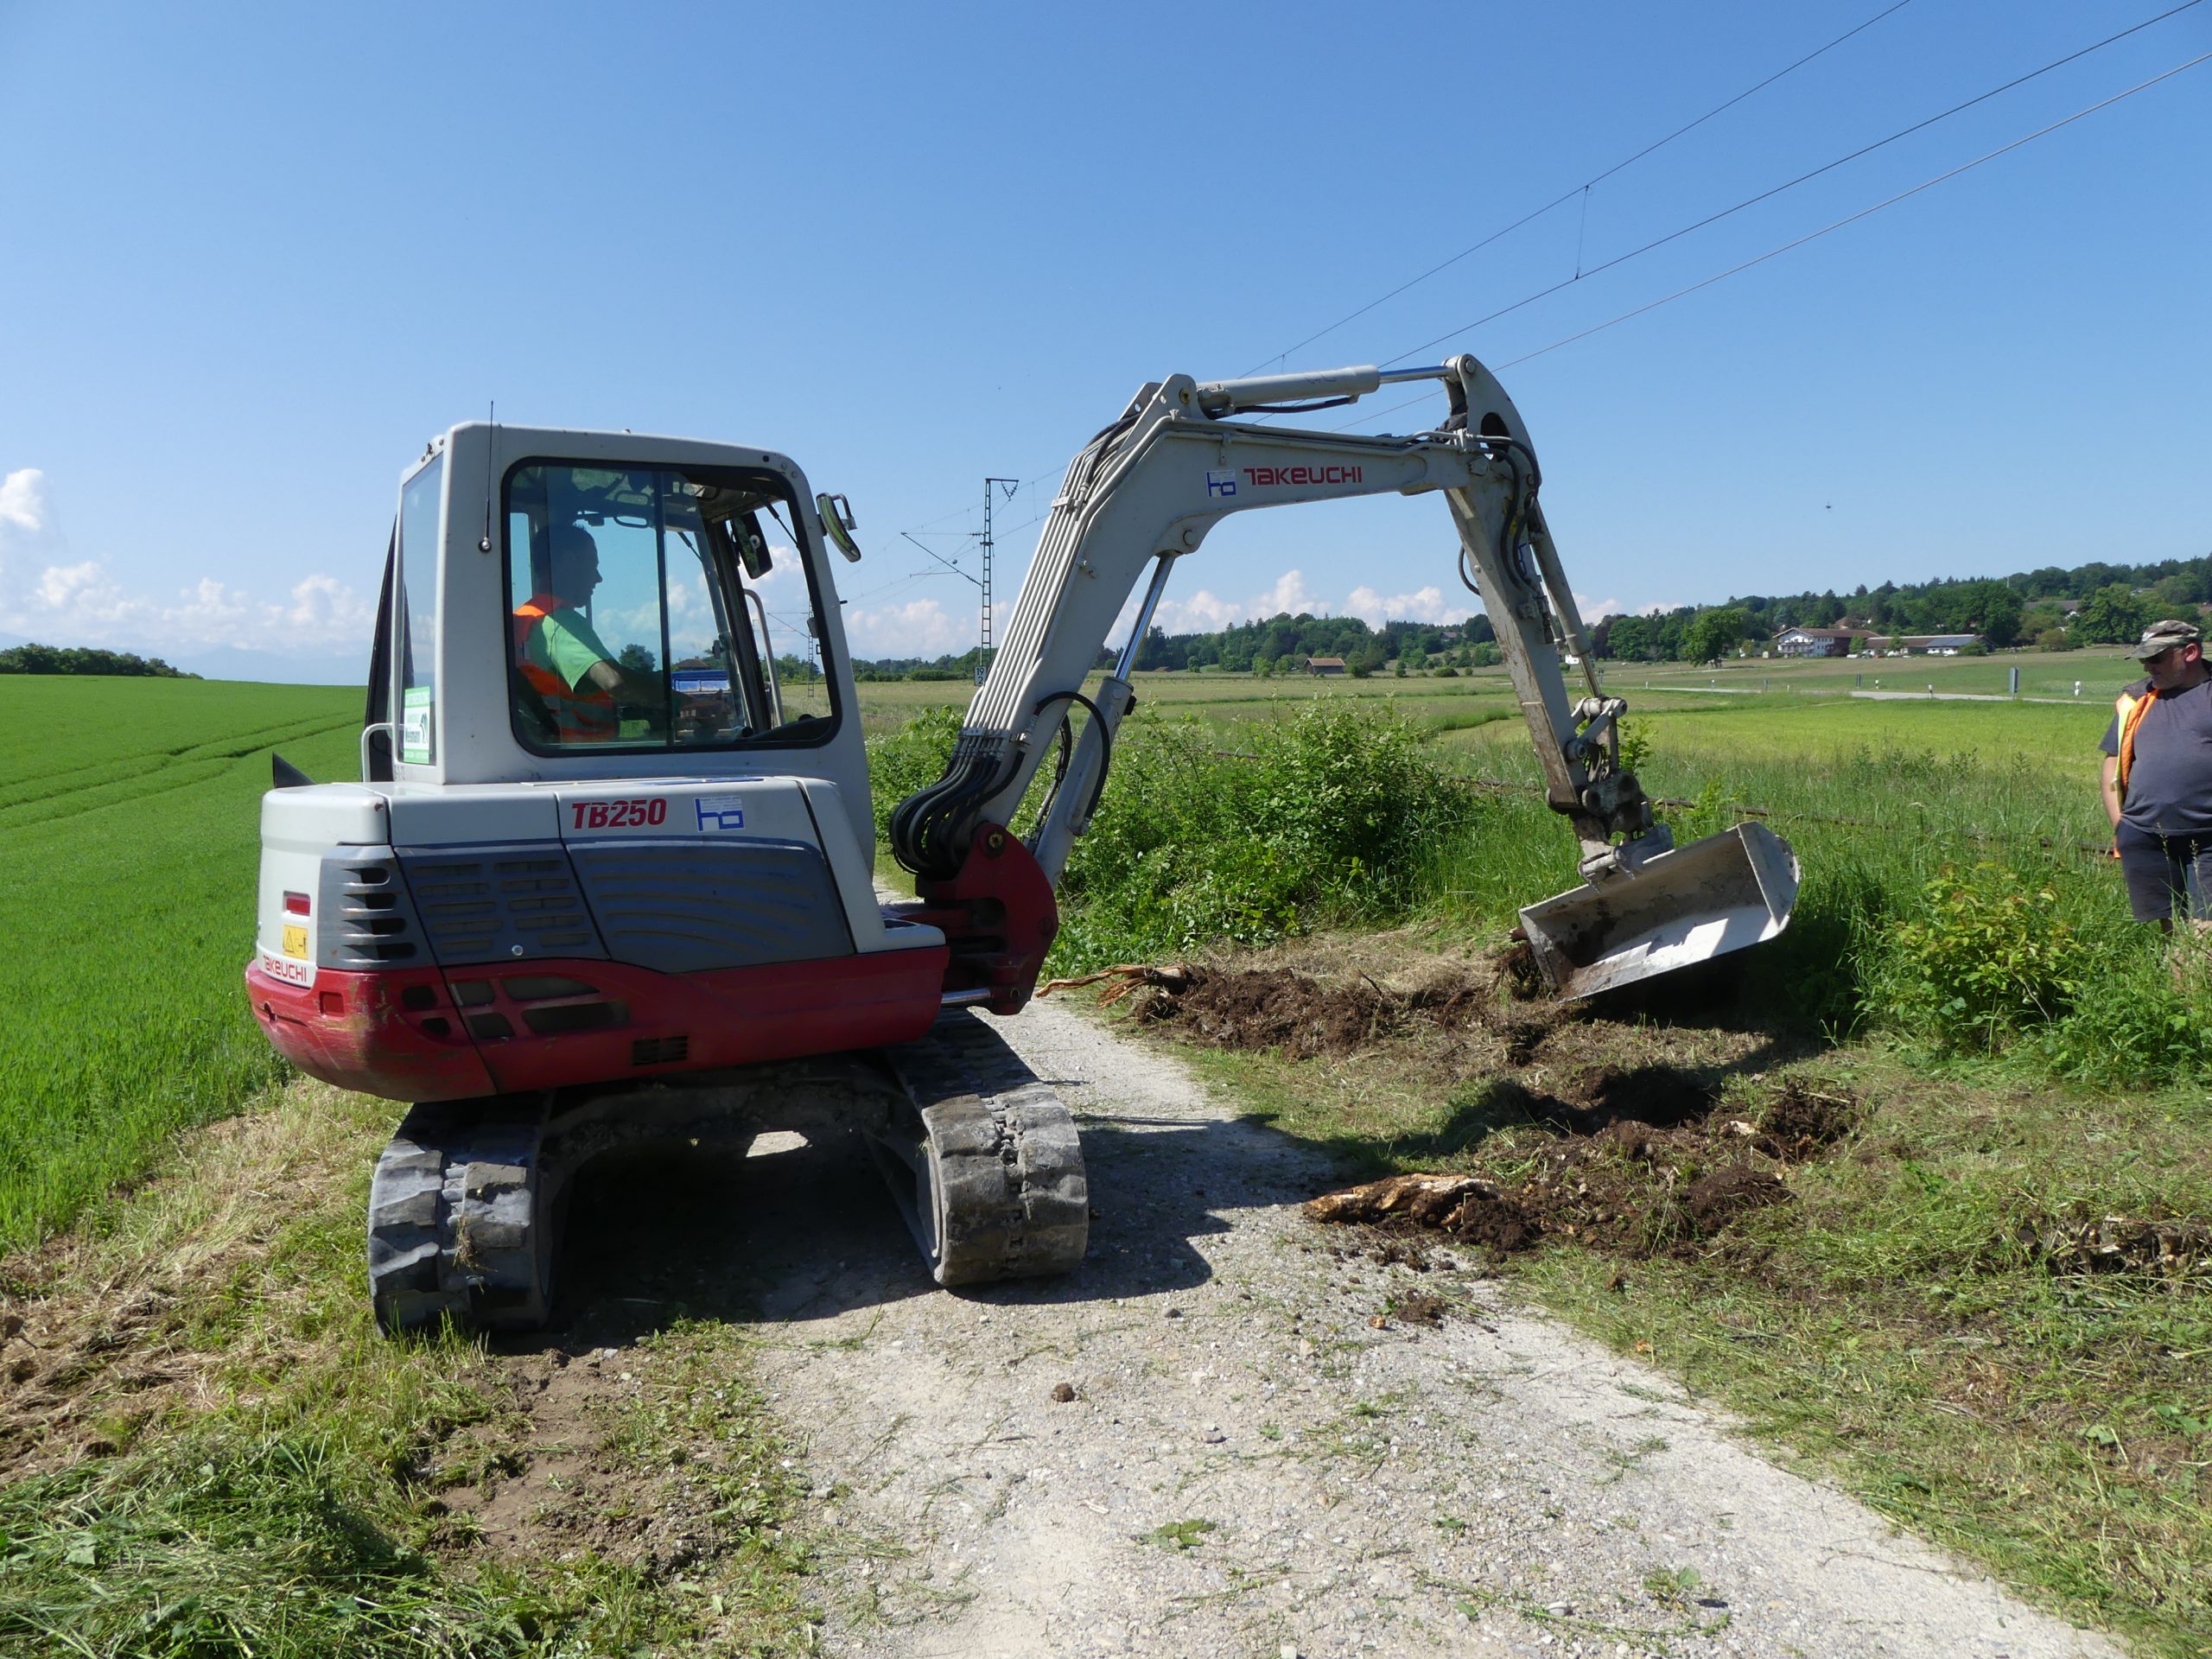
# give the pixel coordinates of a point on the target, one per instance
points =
(129, 834)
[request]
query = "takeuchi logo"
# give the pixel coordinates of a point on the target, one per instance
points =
(1263, 476)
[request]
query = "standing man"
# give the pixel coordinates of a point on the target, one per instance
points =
(2158, 779)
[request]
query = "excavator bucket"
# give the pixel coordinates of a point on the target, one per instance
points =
(1678, 907)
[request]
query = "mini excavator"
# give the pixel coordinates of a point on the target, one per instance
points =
(608, 876)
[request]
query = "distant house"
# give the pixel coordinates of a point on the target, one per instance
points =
(1817, 642)
(1324, 664)
(1935, 645)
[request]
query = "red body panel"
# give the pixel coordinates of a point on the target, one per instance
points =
(351, 1029)
(405, 1033)
(998, 914)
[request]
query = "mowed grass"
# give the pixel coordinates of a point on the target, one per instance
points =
(129, 837)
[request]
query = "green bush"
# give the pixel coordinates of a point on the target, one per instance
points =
(1333, 817)
(911, 758)
(1989, 955)
(2042, 961)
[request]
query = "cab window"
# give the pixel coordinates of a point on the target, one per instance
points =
(416, 637)
(658, 609)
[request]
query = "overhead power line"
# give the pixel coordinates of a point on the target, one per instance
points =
(1582, 189)
(1767, 194)
(1673, 236)
(1814, 235)
(1852, 219)
(1598, 178)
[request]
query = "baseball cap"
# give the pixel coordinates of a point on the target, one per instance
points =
(2165, 636)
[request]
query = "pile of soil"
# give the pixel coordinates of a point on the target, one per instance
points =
(1643, 1165)
(1308, 1018)
(1642, 1162)
(1615, 1182)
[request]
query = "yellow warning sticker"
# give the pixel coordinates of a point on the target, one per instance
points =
(295, 942)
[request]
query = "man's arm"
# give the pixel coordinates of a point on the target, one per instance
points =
(582, 660)
(608, 675)
(2109, 773)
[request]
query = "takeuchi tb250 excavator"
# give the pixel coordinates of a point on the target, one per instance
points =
(607, 875)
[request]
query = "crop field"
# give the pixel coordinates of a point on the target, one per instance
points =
(128, 838)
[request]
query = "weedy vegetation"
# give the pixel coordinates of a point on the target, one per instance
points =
(1983, 1307)
(210, 1450)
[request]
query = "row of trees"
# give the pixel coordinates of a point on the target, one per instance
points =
(1283, 642)
(2109, 604)
(85, 659)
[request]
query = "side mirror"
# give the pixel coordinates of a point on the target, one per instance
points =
(838, 524)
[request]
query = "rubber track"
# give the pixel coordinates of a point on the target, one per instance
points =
(454, 1224)
(1011, 1198)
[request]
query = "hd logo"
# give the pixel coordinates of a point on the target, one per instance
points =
(1220, 483)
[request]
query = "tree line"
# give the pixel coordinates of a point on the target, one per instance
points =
(2056, 608)
(85, 659)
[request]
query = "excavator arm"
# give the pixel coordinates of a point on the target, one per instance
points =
(1143, 494)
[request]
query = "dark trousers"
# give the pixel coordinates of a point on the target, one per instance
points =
(2167, 875)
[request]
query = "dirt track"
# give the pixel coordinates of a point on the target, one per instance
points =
(1249, 1465)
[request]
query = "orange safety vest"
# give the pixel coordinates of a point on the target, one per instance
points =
(2129, 710)
(580, 715)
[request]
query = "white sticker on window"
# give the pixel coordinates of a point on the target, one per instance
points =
(415, 725)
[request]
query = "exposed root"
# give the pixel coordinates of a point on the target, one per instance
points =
(1130, 976)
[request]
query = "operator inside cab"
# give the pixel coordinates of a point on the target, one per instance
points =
(561, 657)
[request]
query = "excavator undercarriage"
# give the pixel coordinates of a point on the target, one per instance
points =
(981, 1159)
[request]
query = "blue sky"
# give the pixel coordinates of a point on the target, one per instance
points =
(254, 256)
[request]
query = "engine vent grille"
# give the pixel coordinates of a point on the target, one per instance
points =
(500, 904)
(365, 918)
(660, 1051)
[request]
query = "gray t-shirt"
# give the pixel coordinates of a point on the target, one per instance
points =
(2170, 780)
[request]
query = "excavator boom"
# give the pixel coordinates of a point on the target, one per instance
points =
(1144, 493)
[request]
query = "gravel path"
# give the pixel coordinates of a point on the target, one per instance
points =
(1250, 1465)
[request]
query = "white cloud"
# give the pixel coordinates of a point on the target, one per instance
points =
(23, 509)
(324, 606)
(1424, 605)
(1592, 609)
(1288, 596)
(918, 628)
(1202, 613)
(49, 597)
